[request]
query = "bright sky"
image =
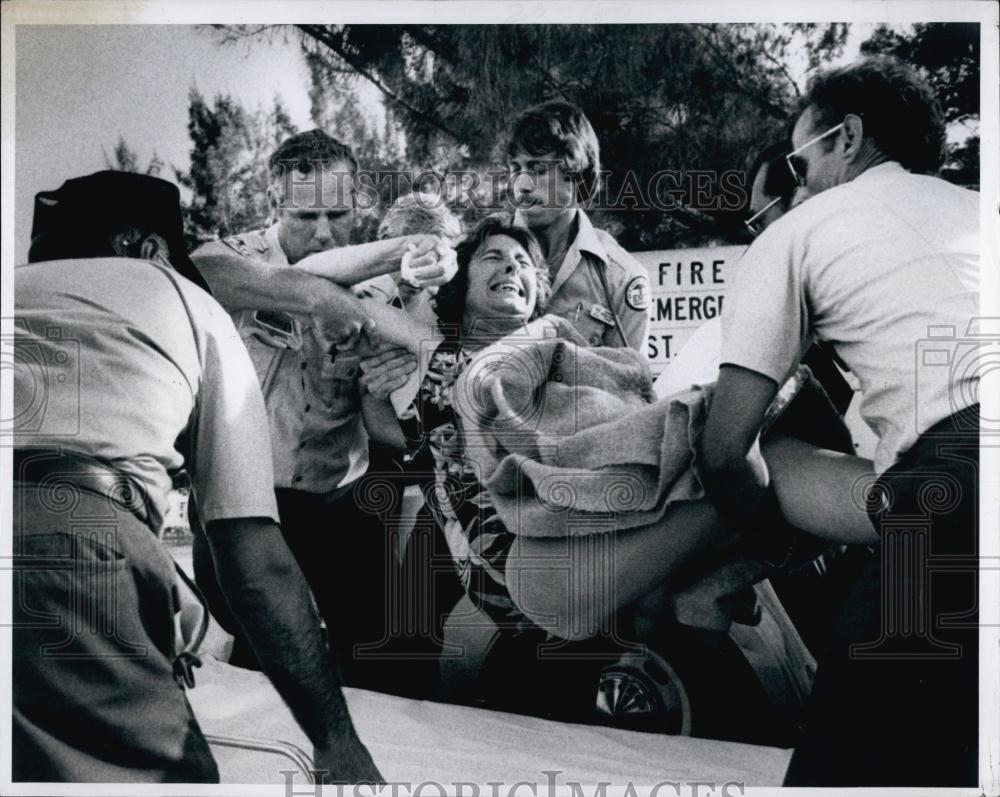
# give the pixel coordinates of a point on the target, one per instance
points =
(79, 87)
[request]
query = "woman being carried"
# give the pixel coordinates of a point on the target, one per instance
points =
(520, 579)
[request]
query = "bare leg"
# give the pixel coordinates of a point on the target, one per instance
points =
(571, 586)
(821, 491)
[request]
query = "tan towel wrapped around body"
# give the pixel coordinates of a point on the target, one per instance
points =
(569, 439)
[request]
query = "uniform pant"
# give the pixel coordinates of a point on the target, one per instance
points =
(94, 694)
(342, 550)
(895, 701)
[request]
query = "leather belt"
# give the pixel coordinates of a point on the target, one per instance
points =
(54, 466)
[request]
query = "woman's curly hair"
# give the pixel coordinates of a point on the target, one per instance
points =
(450, 301)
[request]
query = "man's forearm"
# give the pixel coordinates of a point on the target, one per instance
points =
(738, 491)
(399, 328)
(241, 283)
(349, 265)
(269, 597)
(737, 484)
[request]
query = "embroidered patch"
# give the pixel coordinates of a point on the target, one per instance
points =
(637, 293)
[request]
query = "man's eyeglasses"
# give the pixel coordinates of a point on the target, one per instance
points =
(755, 224)
(799, 165)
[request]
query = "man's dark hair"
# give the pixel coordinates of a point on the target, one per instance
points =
(561, 128)
(899, 111)
(778, 180)
(450, 301)
(302, 150)
(104, 240)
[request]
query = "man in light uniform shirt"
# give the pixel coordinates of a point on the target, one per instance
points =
(292, 322)
(876, 260)
(127, 373)
(554, 164)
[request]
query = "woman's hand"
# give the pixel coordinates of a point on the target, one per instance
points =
(407, 291)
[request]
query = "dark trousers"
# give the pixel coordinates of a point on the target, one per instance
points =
(384, 618)
(94, 694)
(342, 549)
(896, 696)
(423, 584)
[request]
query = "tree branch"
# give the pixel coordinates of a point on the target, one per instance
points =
(723, 60)
(784, 70)
(323, 36)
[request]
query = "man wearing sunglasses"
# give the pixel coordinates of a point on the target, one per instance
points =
(880, 257)
(771, 188)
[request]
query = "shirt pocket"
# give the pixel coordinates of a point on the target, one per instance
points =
(53, 552)
(265, 361)
(267, 344)
(338, 384)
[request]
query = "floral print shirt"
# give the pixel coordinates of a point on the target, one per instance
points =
(478, 540)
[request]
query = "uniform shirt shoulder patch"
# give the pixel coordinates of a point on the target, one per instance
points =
(637, 293)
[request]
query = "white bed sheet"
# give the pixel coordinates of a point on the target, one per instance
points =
(415, 741)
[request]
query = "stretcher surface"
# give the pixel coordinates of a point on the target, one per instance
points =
(414, 741)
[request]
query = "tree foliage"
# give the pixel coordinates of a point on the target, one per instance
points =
(228, 174)
(948, 55)
(711, 95)
(697, 99)
(125, 159)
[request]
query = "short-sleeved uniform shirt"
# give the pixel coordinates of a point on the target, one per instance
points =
(310, 388)
(578, 294)
(883, 268)
(128, 362)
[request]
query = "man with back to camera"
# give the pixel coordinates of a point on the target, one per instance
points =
(772, 189)
(141, 374)
(290, 319)
(879, 256)
(810, 594)
(553, 159)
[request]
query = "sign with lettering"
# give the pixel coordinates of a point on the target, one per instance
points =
(688, 288)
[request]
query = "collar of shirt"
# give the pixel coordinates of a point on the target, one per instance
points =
(271, 236)
(586, 241)
(885, 169)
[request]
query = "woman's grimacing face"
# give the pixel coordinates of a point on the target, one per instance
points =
(502, 281)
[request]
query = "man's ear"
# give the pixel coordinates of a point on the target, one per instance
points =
(155, 249)
(272, 204)
(854, 133)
